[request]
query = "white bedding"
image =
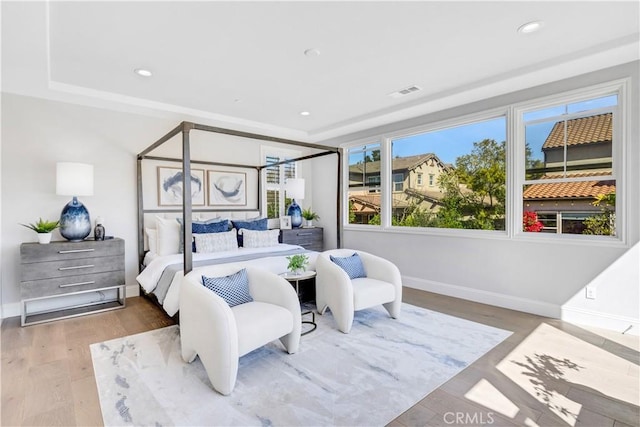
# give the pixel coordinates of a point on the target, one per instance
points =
(150, 276)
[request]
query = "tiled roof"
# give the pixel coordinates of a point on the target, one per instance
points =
(398, 163)
(585, 130)
(570, 190)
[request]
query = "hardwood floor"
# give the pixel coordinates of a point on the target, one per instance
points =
(547, 373)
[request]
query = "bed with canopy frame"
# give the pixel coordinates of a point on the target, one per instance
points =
(185, 212)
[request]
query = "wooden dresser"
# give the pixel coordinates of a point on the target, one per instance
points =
(88, 274)
(309, 238)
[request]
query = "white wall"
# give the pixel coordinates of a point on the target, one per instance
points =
(542, 278)
(37, 133)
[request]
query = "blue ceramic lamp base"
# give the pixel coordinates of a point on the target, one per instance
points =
(295, 213)
(75, 224)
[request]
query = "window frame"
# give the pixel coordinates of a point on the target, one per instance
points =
(621, 123)
(515, 153)
(282, 154)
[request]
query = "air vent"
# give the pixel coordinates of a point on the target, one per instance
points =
(405, 91)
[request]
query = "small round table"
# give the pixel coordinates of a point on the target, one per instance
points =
(294, 279)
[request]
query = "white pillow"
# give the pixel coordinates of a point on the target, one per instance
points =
(168, 240)
(152, 239)
(216, 242)
(259, 238)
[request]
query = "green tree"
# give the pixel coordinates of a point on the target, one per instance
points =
(374, 157)
(534, 167)
(475, 190)
(603, 224)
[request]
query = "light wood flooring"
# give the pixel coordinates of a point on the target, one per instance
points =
(547, 373)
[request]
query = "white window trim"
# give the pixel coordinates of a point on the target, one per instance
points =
(267, 150)
(345, 182)
(621, 123)
(514, 152)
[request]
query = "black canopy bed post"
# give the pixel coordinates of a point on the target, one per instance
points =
(187, 208)
(339, 213)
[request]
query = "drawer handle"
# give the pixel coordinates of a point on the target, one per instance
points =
(76, 267)
(305, 234)
(78, 284)
(75, 251)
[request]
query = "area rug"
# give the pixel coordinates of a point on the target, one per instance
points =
(366, 378)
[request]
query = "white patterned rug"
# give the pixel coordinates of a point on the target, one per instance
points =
(366, 378)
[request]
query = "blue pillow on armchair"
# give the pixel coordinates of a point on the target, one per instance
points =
(352, 265)
(234, 289)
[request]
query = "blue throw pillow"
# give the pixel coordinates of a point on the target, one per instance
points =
(234, 289)
(351, 264)
(214, 225)
(257, 224)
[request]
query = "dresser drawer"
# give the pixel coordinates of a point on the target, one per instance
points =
(64, 285)
(309, 238)
(36, 253)
(67, 279)
(71, 267)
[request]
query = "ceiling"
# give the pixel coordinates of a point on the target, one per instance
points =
(243, 64)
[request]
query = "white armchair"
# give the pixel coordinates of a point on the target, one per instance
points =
(220, 334)
(343, 296)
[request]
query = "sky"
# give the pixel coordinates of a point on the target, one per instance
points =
(450, 143)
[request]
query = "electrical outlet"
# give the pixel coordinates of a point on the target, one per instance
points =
(590, 292)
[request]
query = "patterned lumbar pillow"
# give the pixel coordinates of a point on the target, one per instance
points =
(351, 264)
(213, 225)
(234, 289)
(216, 242)
(259, 238)
(255, 224)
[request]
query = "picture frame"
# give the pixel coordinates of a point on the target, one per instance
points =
(170, 186)
(227, 188)
(285, 222)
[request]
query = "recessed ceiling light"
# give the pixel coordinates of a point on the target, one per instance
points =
(304, 113)
(143, 72)
(312, 52)
(530, 27)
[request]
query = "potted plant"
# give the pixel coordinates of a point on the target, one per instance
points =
(309, 216)
(297, 263)
(44, 229)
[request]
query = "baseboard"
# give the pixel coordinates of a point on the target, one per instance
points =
(573, 315)
(10, 310)
(485, 297)
(622, 324)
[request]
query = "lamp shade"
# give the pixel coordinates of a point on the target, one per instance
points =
(74, 179)
(295, 188)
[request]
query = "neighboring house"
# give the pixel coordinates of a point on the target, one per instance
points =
(563, 206)
(413, 177)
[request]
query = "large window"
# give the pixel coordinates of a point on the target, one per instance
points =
(569, 183)
(275, 184)
(467, 177)
(558, 175)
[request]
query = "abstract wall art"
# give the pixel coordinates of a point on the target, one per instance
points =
(170, 186)
(227, 188)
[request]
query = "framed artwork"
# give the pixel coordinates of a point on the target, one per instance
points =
(170, 186)
(285, 222)
(227, 188)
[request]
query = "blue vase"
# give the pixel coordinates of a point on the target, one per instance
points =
(75, 223)
(295, 213)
